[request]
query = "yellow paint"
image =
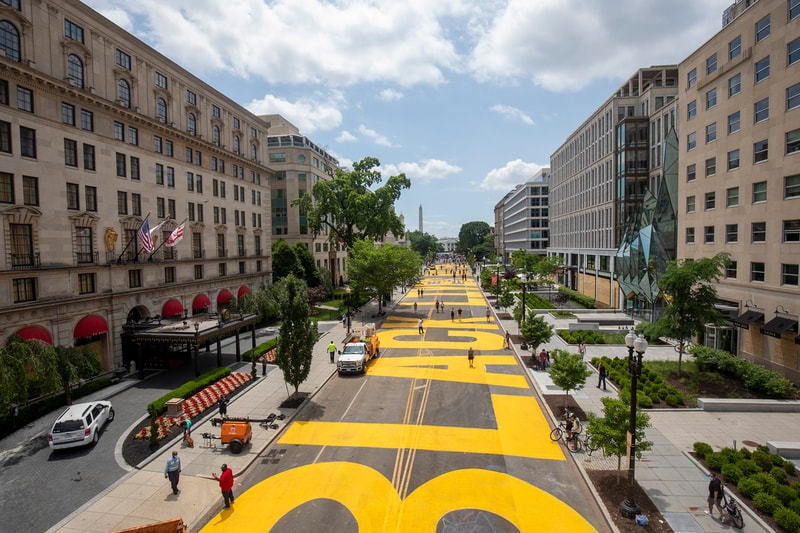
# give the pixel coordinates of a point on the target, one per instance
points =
(376, 506)
(411, 339)
(452, 368)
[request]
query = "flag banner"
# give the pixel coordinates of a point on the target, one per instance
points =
(158, 226)
(176, 236)
(144, 237)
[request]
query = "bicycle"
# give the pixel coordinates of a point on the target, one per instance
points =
(572, 443)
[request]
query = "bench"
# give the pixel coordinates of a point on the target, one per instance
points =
(787, 450)
(593, 326)
(748, 405)
(608, 321)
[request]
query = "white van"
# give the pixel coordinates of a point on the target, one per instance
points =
(80, 424)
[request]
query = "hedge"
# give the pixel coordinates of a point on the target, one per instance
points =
(188, 389)
(755, 377)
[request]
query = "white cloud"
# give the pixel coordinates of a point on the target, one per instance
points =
(346, 137)
(308, 114)
(390, 95)
(428, 169)
(506, 178)
(512, 113)
(376, 137)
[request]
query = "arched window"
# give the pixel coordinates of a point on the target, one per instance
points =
(124, 93)
(191, 124)
(215, 135)
(235, 144)
(9, 40)
(161, 110)
(301, 158)
(75, 71)
(253, 151)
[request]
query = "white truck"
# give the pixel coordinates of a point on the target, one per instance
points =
(359, 347)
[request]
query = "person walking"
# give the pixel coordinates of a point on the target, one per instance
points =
(602, 373)
(437, 305)
(222, 404)
(419, 327)
(581, 348)
(415, 307)
(452, 314)
(332, 350)
(508, 340)
(173, 471)
(488, 314)
(459, 314)
(543, 360)
(470, 356)
(225, 484)
(714, 495)
(187, 432)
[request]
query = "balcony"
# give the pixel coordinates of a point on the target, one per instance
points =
(258, 252)
(222, 252)
(198, 254)
(23, 261)
(86, 258)
(242, 252)
(169, 254)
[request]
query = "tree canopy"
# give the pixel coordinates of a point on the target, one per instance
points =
(285, 261)
(424, 244)
(347, 208)
(471, 238)
(568, 371)
(376, 271)
(535, 330)
(298, 333)
(611, 431)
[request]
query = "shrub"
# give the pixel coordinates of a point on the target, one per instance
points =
(777, 460)
(189, 389)
(794, 505)
(715, 461)
(788, 519)
(646, 403)
(763, 460)
(749, 487)
(730, 455)
(748, 467)
(662, 393)
(766, 503)
(732, 474)
(779, 475)
(790, 468)
(784, 494)
(766, 481)
(745, 453)
(702, 449)
(672, 400)
(654, 397)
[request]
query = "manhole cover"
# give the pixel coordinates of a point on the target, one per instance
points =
(750, 443)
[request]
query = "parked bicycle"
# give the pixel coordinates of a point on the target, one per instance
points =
(577, 441)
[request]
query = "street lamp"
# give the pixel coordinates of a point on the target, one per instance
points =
(628, 507)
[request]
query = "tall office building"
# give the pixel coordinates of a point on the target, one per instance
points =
(98, 133)
(740, 176)
(525, 217)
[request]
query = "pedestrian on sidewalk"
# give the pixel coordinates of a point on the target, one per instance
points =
(581, 348)
(187, 432)
(332, 350)
(714, 495)
(452, 314)
(459, 314)
(419, 327)
(225, 484)
(437, 305)
(508, 340)
(543, 360)
(488, 314)
(470, 356)
(602, 373)
(222, 404)
(415, 307)
(173, 471)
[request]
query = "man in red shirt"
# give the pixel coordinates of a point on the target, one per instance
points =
(225, 484)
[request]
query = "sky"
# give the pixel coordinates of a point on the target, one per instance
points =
(468, 98)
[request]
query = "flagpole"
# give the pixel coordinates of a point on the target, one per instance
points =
(164, 241)
(136, 257)
(135, 237)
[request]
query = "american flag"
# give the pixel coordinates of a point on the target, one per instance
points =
(176, 236)
(144, 237)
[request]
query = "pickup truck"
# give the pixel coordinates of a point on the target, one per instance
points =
(358, 350)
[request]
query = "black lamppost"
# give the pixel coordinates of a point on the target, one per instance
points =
(628, 507)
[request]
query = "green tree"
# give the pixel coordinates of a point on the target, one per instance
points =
(568, 371)
(611, 431)
(424, 243)
(506, 299)
(298, 333)
(348, 209)
(687, 287)
(285, 261)
(25, 366)
(472, 235)
(376, 271)
(74, 363)
(545, 270)
(536, 331)
(263, 302)
(310, 271)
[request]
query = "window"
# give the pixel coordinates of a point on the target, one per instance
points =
(24, 290)
(711, 132)
(124, 93)
(792, 141)
(236, 144)
(759, 231)
(222, 269)
(169, 274)
(711, 64)
(793, 97)
(253, 152)
(710, 201)
(215, 135)
(3, 92)
(188, 155)
(691, 78)
(791, 230)
(133, 136)
(191, 212)
(9, 40)
(168, 148)
(762, 69)
(711, 166)
(121, 165)
(135, 168)
(691, 143)
(236, 124)
(735, 47)
(791, 187)
(30, 190)
(198, 272)
(75, 71)
(136, 204)
(70, 153)
(161, 80)
(708, 235)
(733, 159)
(200, 216)
(731, 233)
(123, 59)
(253, 133)
(198, 183)
(691, 204)
(25, 99)
(198, 158)
(794, 9)
(734, 85)
(171, 208)
(793, 51)
(711, 98)
(215, 111)
(91, 198)
(27, 142)
(158, 144)
(122, 202)
(73, 197)
(67, 113)
(134, 278)
(762, 29)
(161, 208)
(789, 274)
(731, 269)
(760, 192)
(86, 283)
(190, 181)
(757, 271)
(760, 151)
(5, 136)
(691, 172)
(191, 124)
(159, 174)
(87, 120)
(761, 110)
(73, 31)
(732, 197)
(119, 131)
(734, 122)
(689, 235)
(170, 177)
(161, 110)
(691, 110)
(191, 98)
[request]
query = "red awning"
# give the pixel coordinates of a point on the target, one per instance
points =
(201, 302)
(244, 289)
(90, 326)
(223, 296)
(172, 308)
(30, 333)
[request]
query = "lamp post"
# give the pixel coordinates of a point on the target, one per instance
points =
(347, 319)
(628, 507)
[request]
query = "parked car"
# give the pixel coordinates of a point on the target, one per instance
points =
(80, 424)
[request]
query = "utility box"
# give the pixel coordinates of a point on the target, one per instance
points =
(175, 407)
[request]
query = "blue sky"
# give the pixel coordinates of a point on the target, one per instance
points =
(468, 98)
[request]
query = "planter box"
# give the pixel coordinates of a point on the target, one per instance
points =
(175, 407)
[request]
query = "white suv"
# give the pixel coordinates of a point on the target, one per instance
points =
(80, 424)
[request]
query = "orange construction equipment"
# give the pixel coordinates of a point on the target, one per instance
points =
(175, 525)
(236, 432)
